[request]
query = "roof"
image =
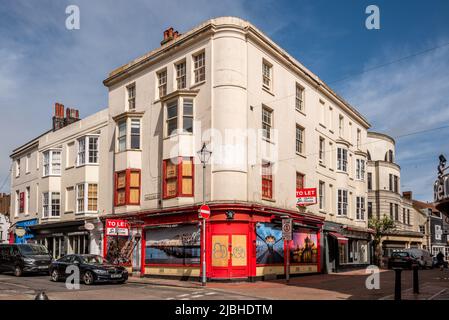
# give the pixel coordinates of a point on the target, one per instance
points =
(151, 56)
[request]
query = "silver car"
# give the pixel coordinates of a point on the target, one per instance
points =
(422, 257)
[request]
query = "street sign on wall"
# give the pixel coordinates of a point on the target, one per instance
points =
(116, 227)
(306, 197)
(287, 229)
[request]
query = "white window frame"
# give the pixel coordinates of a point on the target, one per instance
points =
(342, 159)
(299, 98)
(162, 83)
(48, 205)
(199, 67)
(27, 163)
(179, 117)
(360, 169)
(27, 200)
(17, 167)
(131, 96)
(181, 75)
(322, 150)
(267, 122)
(342, 206)
(133, 122)
(49, 163)
(82, 203)
(322, 195)
(267, 75)
(299, 139)
(84, 156)
(360, 208)
(120, 137)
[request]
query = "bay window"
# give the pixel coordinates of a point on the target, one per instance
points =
(121, 137)
(86, 197)
(52, 163)
(135, 133)
(132, 127)
(179, 119)
(87, 150)
(178, 177)
(127, 189)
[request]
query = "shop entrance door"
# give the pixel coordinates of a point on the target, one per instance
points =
(227, 250)
(229, 256)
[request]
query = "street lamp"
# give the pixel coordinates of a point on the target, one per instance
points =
(204, 156)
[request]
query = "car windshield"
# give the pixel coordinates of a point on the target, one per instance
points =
(399, 254)
(91, 259)
(33, 249)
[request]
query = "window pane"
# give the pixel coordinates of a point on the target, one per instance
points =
(93, 150)
(134, 195)
(134, 179)
(187, 185)
(172, 187)
(171, 169)
(121, 180)
(186, 167)
(188, 124)
(121, 197)
(135, 134)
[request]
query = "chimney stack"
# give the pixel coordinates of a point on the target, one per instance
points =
(169, 35)
(58, 118)
(59, 121)
(407, 195)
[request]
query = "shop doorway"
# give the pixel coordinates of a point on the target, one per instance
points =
(229, 251)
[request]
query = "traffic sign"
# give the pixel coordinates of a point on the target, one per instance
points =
(287, 229)
(204, 211)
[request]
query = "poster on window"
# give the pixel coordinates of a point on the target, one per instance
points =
(119, 243)
(269, 244)
(174, 244)
(304, 247)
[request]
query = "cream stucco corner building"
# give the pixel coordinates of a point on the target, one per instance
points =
(384, 196)
(273, 127)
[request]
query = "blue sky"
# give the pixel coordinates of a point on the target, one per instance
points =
(43, 62)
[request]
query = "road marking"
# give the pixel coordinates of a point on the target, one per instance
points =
(183, 295)
(437, 294)
(197, 296)
(209, 293)
(170, 299)
(185, 299)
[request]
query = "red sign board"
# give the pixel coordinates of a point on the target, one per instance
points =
(306, 197)
(22, 202)
(204, 211)
(116, 227)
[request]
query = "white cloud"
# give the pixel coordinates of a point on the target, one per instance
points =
(406, 97)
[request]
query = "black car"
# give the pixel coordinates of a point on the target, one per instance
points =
(24, 258)
(93, 268)
(401, 259)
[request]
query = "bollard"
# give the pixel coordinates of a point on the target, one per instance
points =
(41, 296)
(397, 284)
(415, 279)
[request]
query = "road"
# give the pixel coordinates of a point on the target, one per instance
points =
(434, 284)
(26, 288)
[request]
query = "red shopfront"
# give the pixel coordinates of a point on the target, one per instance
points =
(243, 242)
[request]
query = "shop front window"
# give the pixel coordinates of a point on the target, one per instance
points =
(269, 244)
(174, 245)
(343, 252)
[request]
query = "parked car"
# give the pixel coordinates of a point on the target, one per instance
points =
(93, 268)
(422, 257)
(24, 258)
(401, 259)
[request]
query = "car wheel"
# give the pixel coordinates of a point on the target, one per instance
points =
(18, 271)
(54, 275)
(88, 278)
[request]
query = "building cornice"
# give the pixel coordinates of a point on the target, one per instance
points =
(209, 28)
(382, 136)
(128, 114)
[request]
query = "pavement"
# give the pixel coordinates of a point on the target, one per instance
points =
(434, 285)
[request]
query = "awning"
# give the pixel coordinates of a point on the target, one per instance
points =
(340, 238)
